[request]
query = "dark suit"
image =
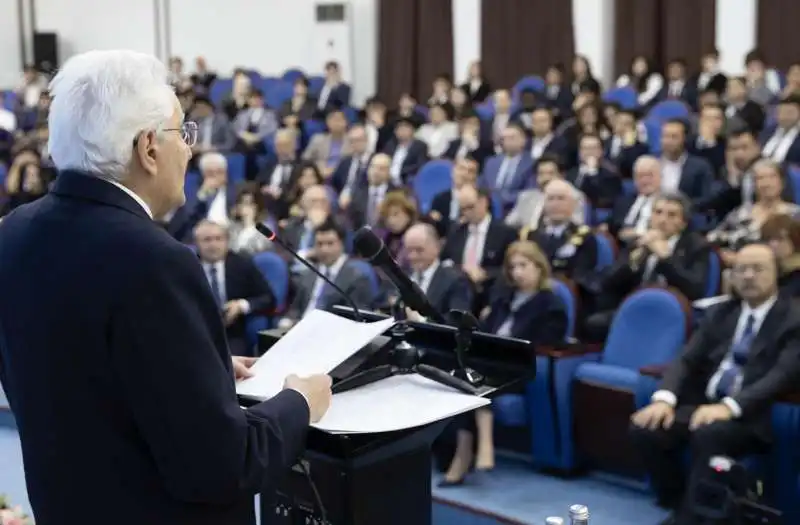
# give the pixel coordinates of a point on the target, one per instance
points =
(626, 156)
(697, 177)
(572, 255)
(601, 188)
(358, 213)
(542, 319)
(750, 113)
(338, 97)
(772, 367)
(559, 99)
(448, 290)
(713, 153)
(244, 281)
(442, 205)
(416, 157)
(114, 361)
(622, 206)
(181, 224)
(478, 95)
(345, 170)
(792, 155)
(349, 278)
(480, 154)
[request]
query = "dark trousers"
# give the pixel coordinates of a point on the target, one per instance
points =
(239, 346)
(663, 451)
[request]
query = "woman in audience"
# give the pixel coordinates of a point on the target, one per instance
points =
(239, 95)
(583, 79)
(743, 224)
(305, 175)
(397, 213)
(782, 232)
(740, 108)
(476, 87)
(460, 102)
(441, 90)
(643, 77)
(295, 123)
(248, 210)
(439, 131)
(524, 308)
(25, 181)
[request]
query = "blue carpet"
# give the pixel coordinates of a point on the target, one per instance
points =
(512, 494)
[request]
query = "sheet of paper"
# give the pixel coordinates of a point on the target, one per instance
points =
(320, 342)
(708, 302)
(396, 403)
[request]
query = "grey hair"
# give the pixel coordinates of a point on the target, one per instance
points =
(679, 198)
(212, 160)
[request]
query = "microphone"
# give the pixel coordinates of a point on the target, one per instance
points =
(267, 232)
(371, 247)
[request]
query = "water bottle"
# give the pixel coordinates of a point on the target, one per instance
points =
(579, 515)
(554, 520)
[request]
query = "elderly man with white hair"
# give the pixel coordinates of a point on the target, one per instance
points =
(569, 246)
(113, 351)
(630, 217)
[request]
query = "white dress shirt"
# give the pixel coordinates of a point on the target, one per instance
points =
(759, 314)
(778, 145)
(319, 284)
(8, 121)
(424, 278)
(219, 266)
(476, 240)
(133, 195)
(638, 216)
(218, 208)
(671, 172)
(399, 157)
(539, 145)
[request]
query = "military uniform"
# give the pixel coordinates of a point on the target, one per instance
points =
(571, 248)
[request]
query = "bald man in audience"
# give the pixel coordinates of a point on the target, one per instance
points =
(478, 245)
(570, 246)
(363, 209)
(446, 287)
(630, 217)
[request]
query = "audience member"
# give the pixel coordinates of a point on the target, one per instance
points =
(397, 213)
(408, 154)
(445, 211)
(509, 172)
(351, 172)
(782, 234)
(595, 177)
(476, 85)
(364, 207)
(326, 150)
(247, 211)
(630, 217)
(439, 130)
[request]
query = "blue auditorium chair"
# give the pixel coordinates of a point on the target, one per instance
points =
(220, 89)
(625, 96)
(485, 111)
(279, 93)
(276, 273)
(433, 178)
(528, 83)
(606, 250)
(315, 85)
(794, 178)
(714, 274)
(669, 109)
(375, 282)
(290, 75)
(236, 168)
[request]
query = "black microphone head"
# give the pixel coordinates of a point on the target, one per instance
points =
(367, 244)
(265, 230)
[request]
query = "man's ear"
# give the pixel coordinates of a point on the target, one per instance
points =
(146, 151)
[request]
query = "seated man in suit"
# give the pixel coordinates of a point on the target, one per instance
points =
(668, 254)
(407, 153)
(511, 171)
(299, 231)
(709, 141)
(630, 217)
(568, 246)
(594, 176)
(212, 201)
(327, 149)
(214, 131)
(681, 171)
(446, 287)
(782, 142)
(252, 127)
(543, 139)
(335, 92)
(331, 260)
(352, 169)
(527, 212)
(444, 209)
(623, 148)
(236, 284)
(274, 177)
(470, 143)
(364, 209)
(478, 245)
(716, 396)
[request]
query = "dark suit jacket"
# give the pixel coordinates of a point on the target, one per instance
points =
(561, 103)
(686, 270)
(572, 255)
(752, 115)
(619, 212)
(480, 94)
(727, 198)
(350, 279)
(773, 366)
(338, 98)
(449, 289)
(182, 223)
(542, 319)
(714, 153)
(342, 172)
(416, 157)
(358, 211)
(480, 154)
(114, 361)
(793, 155)
(697, 178)
(626, 157)
(243, 280)
(498, 238)
(306, 111)
(601, 189)
(441, 205)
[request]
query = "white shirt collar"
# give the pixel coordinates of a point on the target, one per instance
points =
(133, 195)
(333, 270)
(482, 227)
(760, 312)
(427, 275)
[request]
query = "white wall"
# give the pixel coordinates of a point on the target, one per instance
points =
(10, 57)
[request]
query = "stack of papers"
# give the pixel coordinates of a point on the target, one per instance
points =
(320, 342)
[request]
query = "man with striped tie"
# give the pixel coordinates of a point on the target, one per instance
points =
(716, 396)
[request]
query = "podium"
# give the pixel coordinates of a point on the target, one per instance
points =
(384, 478)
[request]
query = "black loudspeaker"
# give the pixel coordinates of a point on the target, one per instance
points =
(45, 51)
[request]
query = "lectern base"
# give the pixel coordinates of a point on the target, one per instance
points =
(392, 491)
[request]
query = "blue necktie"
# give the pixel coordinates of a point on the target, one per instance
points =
(215, 289)
(739, 353)
(320, 291)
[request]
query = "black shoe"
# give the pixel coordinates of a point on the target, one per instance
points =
(444, 483)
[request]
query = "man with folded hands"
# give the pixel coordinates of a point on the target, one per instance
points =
(716, 396)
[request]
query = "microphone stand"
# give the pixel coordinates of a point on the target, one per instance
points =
(467, 324)
(404, 359)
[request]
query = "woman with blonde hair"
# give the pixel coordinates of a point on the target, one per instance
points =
(523, 307)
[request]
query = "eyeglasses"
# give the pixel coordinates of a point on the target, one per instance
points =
(188, 132)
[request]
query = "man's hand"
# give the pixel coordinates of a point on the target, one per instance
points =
(317, 391)
(435, 215)
(660, 248)
(628, 234)
(707, 414)
(344, 200)
(241, 367)
(414, 316)
(232, 311)
(655, 415)
(476, 274)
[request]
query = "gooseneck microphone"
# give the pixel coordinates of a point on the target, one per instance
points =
(267, 232)
(372, 248)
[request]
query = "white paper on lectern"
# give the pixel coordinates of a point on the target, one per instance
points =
(395, 403)
(708, 302)
(317, 344)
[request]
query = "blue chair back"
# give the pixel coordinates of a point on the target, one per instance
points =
(236, 168)
(485, 111)
(649, 328)
(628, 187)
(563, 291)
(794, 180)
(529, 83)
(605, 252)
(278, 94)
(367, 269)
(652, 127)
(625, 96)
(275, 270)
(191, 185)
(669, 109)
(315, 85)
(219, 89)
(714, 274)
(290, 75)
(434, 177)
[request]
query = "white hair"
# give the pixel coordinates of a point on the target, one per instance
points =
(102, 100)
(561, 184)
(212, 160)
(647, 162)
